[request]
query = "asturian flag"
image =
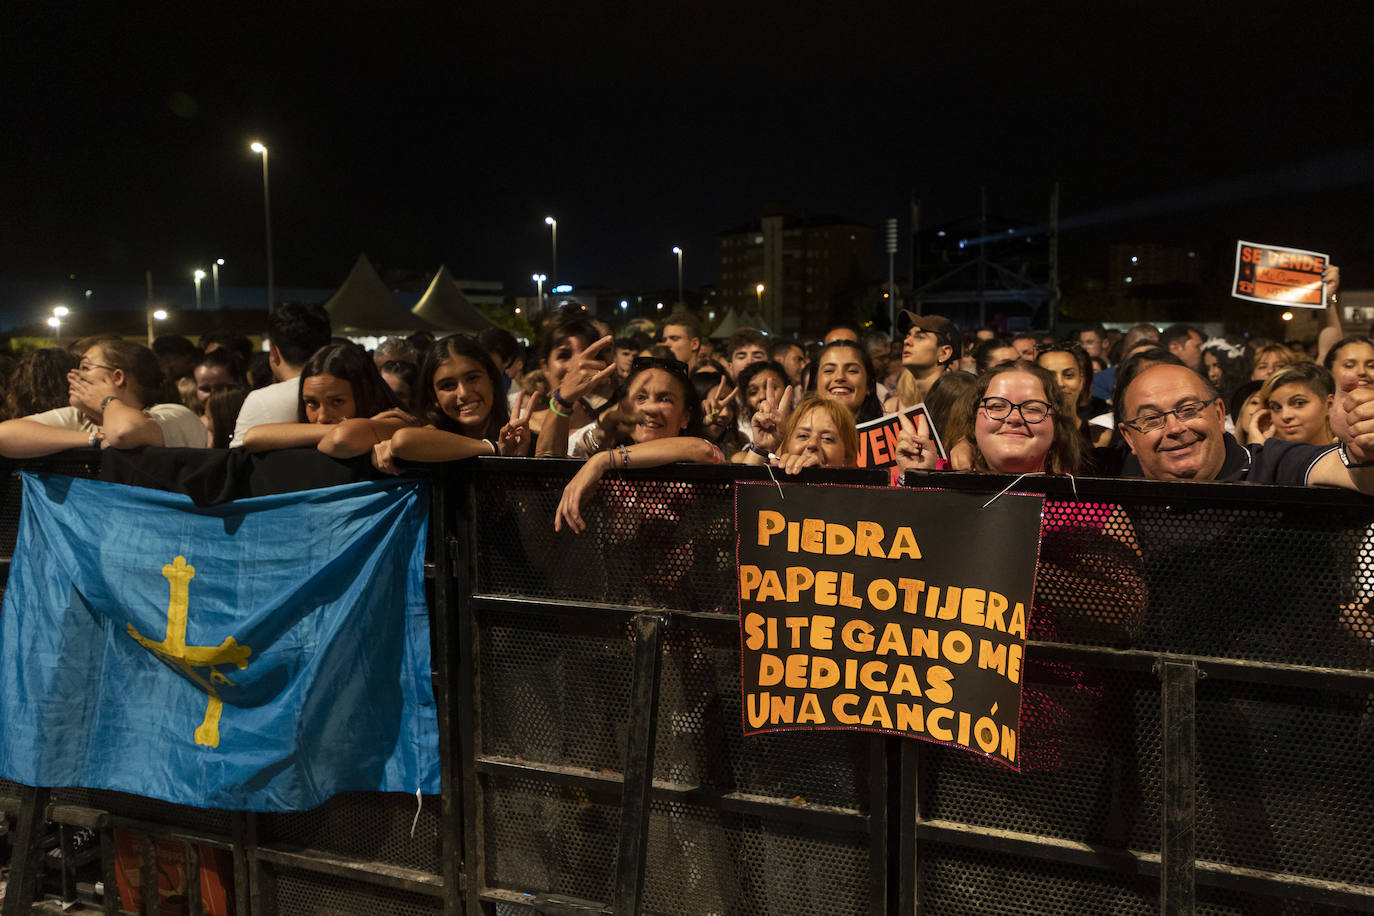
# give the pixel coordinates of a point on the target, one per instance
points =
(258, 655)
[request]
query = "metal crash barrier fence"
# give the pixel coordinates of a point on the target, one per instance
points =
(1196, 728)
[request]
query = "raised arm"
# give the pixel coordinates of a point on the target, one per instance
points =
(1331, 331)
(583, 374)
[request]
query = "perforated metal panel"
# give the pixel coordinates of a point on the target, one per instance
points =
(709, 861)
(374, 826)
(297, 893)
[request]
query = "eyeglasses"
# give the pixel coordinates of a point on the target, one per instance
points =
(1149, 422)
(86, 367)
(1032, 411)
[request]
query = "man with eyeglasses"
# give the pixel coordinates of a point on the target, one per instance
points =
(1174, 422)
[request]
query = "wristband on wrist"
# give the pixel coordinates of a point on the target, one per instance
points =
(105, 401)
(761, 452)
(1350, 462)
(566, 405)
(553, 406)
(94, 440)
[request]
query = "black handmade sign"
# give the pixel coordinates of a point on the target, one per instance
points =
(886, 609)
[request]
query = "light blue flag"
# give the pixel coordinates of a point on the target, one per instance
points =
(258, 655)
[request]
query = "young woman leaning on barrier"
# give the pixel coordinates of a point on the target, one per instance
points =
(462, 399)
(117, 398)
(340, 382)
(819, 433)
(657, 422)
(1021, 425)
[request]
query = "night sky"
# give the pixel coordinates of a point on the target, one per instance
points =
(424, 138)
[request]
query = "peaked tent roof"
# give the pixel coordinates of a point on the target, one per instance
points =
(728, 325)
(755, 320)
(444, 306)
(363, 305)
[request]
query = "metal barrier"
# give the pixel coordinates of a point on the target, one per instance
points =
(1196, 730)
(356, 853)
(1195, 734)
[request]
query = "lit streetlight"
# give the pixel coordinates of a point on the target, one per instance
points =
(758, 290)
(55, 322)
(553, 226)
(60, 311)
(200, 275)
(214, 269)
(267, 213)
(678, 251)
(539, 288)
(154, 315)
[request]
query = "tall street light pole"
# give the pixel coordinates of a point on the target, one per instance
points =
(214, 270)
(539, 290)
(678, 251)
(553, 225)
(200, 275)
(759, 290)
(267, 211)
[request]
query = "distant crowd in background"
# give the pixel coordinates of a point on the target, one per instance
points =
(1162, 403)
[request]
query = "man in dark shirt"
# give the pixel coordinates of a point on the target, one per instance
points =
(1174, 423)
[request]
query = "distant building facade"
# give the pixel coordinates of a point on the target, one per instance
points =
(801, 263)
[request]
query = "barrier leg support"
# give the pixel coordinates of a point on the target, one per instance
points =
(26, 867)
(1178, 891)
(639, 763)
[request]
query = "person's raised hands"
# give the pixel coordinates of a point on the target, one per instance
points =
(771, 415)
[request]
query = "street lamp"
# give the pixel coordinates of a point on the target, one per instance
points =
(154, 315)
(267, 211)
(214, 268)
(759, 291)
(539, 288)
(200, 275)
(553, 226)
(60, 311)
(678, 251)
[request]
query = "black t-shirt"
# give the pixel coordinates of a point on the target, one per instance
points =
(1274, 461)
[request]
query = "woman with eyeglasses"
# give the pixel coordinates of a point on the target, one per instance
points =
(1021, 425)
(656, 422)
(116, 399)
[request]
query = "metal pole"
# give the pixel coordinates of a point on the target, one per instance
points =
(214, 272)
(198, 290)
(680, 297)
(1054, 257)
(891, 276)
(267, 212)
(148, 276)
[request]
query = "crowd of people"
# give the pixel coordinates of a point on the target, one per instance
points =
(1165, 404)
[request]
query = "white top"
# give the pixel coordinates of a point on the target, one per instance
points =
(275, 403)
(180, 427)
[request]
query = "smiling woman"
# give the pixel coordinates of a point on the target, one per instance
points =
(1022, 423)
(657, 422)
(462, 398)
(844, 373)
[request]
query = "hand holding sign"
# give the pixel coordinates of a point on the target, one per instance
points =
(915, 450)
(769, 418)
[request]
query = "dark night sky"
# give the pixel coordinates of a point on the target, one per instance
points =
(425, 138)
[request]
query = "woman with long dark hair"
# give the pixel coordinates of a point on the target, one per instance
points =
(339, 382)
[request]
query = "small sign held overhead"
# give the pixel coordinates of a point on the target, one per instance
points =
(1279, 276)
